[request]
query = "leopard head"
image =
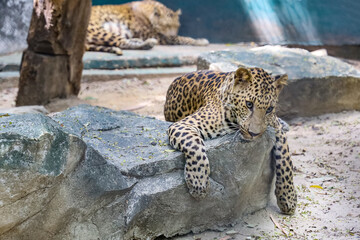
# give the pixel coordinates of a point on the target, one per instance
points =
(164, 20)
(251, 100)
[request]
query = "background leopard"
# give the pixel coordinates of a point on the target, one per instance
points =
(208, 104)
(134, 25)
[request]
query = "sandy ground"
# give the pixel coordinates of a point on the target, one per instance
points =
(325, 151)
(143, 96)
(326, 155)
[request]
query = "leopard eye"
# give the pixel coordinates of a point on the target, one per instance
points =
(249, 105)
(269, 110)
(157, 14)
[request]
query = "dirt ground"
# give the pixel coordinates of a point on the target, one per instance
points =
(325, 151)
(326, 155)
(142, 96)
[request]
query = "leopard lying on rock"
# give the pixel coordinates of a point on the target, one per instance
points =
(134, 25)
(208, 104)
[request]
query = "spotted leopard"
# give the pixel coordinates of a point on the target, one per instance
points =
(208, 104)
(134, 25)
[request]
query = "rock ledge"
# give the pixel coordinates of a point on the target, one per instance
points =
(94, 173)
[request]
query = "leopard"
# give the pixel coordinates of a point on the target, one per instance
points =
(135, 25)
(207, 104)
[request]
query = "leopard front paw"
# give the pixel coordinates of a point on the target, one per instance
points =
(149, 43)
(117, 51)
(201, 42)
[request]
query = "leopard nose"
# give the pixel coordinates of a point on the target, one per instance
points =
(253, 134)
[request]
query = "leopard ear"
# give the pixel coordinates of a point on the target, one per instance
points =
(178, 12)
(243, 75)
(242, 78)
(280, 81)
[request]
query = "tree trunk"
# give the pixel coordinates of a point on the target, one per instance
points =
(51, 66)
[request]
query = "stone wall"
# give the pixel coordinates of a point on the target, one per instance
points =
(14, 24)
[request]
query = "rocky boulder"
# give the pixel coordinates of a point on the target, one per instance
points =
(35, 157)
(94, 173)
(317, 84)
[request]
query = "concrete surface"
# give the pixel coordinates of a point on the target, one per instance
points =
(159, 56)
(161, 60)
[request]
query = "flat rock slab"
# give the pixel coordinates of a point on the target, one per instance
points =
(317, 84)
(116, 177)
(161, 60)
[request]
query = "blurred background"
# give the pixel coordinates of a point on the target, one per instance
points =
(326, 23)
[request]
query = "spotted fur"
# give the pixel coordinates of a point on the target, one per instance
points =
(134, 25)
(208, 104)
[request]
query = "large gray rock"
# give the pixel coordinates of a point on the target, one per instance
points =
(317, 84)
(35, 157)
(101, 174)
